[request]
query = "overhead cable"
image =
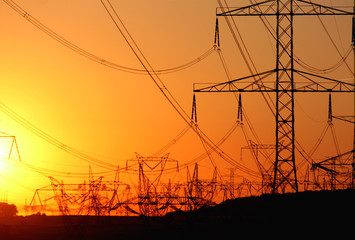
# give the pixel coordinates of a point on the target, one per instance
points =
(147, 70)
(164, 90)
(334, 45)
(95, 58)
(55, 142)
(246, 55)
(302, 63)
(51, 172)
(324, 70)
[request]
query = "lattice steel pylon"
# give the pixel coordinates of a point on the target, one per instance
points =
(285, 176)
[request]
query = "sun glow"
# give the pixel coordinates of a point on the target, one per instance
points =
(5, 153)
(2, 164)
(8, 147)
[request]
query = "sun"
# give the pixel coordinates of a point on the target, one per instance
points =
(4, 155)
(4, 148)
(4, 151)
(2, 163)
(8, 153)
(8, 147)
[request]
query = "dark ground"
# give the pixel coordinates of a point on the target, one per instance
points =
(303, 215)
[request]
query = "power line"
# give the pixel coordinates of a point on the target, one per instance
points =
(284, 11)
(302, 63)
(164, 90)
(335, 46)
(147, 69)
(51, 172)
(245, 54)
(92, 56)
(55, 142)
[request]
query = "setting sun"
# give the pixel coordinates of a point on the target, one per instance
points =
(8, 147)
(2, 164)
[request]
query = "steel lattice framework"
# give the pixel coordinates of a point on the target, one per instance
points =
(285, 176)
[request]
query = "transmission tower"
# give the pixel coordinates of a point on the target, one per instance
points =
(284, 174)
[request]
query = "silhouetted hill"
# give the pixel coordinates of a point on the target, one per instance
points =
(314, 204)
(317, 213)
(299, 215)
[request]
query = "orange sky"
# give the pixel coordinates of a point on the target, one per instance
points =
(111, 114)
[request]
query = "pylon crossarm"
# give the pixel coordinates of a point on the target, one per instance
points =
(327, 84)
(239, 84)
(317, 165)
(324, 162)
(257, 9)
(309, 84)
(349, 119)
(337, 165)
(309, 8)
(300, 8)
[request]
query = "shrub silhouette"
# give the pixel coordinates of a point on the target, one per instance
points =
(7, 210)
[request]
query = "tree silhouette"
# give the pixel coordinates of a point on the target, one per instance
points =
(7, 210)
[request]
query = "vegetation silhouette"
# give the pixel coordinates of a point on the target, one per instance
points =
(7, 210)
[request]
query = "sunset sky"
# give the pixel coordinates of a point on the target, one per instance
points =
(110, 114)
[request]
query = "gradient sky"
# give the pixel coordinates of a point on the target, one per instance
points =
(110, 115)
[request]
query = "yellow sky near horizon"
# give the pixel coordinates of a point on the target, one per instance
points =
(111, 114)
